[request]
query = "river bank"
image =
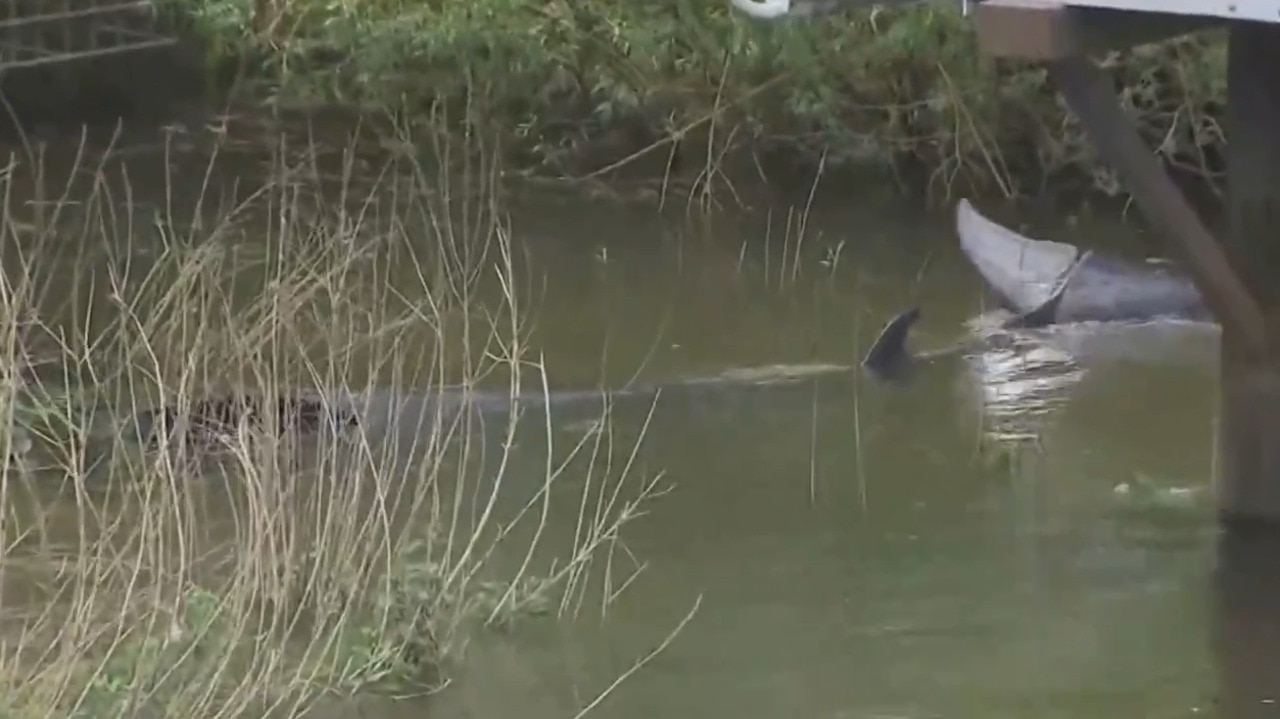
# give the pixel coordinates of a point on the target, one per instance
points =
(585, 89)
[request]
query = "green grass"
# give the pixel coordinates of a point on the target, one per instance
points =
(574, 87)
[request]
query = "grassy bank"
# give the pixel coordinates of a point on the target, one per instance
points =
(153, 584)
(576, 87)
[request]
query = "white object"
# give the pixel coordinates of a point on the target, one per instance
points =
(765, 9)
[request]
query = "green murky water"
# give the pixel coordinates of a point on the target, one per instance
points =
(832, 548)
(848, 551)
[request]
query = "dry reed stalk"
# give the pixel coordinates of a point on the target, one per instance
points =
(287, 570)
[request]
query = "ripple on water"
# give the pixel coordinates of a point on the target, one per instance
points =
(1021, 377)
(1019, 386)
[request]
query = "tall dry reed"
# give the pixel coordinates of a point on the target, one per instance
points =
(161, 583)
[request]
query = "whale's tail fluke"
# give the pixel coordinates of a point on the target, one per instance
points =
(1047, 312)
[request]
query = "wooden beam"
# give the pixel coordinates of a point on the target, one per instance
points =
(1239, 278)
(1247, 483)
(1105, 30)
(1027, 29)
(1044, 30)
(1246, 626)
(1094, 102)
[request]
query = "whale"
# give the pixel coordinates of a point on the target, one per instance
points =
(1023, 273)
(1045, 284)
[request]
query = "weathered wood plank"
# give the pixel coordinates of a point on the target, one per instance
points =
(1115, 30)
(1044, 30)
(1031, 29)
(1248, 478)
(1026, 29)
(1246, 626)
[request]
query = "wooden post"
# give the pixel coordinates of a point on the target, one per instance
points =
(1246, 626)
(1240, 276)
(1049, 30)
(1248, 477)
(1116, 136)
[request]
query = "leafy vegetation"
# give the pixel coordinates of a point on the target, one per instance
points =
(577, 87)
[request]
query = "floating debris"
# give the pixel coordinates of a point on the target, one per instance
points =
(1144, 493)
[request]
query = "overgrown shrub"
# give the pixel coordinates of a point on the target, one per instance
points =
(901, 88)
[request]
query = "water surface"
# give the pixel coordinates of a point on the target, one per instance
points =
(851, 549)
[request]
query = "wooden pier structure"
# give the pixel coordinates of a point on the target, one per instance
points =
(35, 33)
(1238, 273)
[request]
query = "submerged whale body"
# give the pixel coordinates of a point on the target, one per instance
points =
(214, 423)
(1045, 283)
(211, 422)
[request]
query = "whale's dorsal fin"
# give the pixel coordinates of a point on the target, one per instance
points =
(888, 354)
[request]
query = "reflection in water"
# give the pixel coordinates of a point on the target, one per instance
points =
(1022, 376)
(1020, 385)
(1161, 343)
